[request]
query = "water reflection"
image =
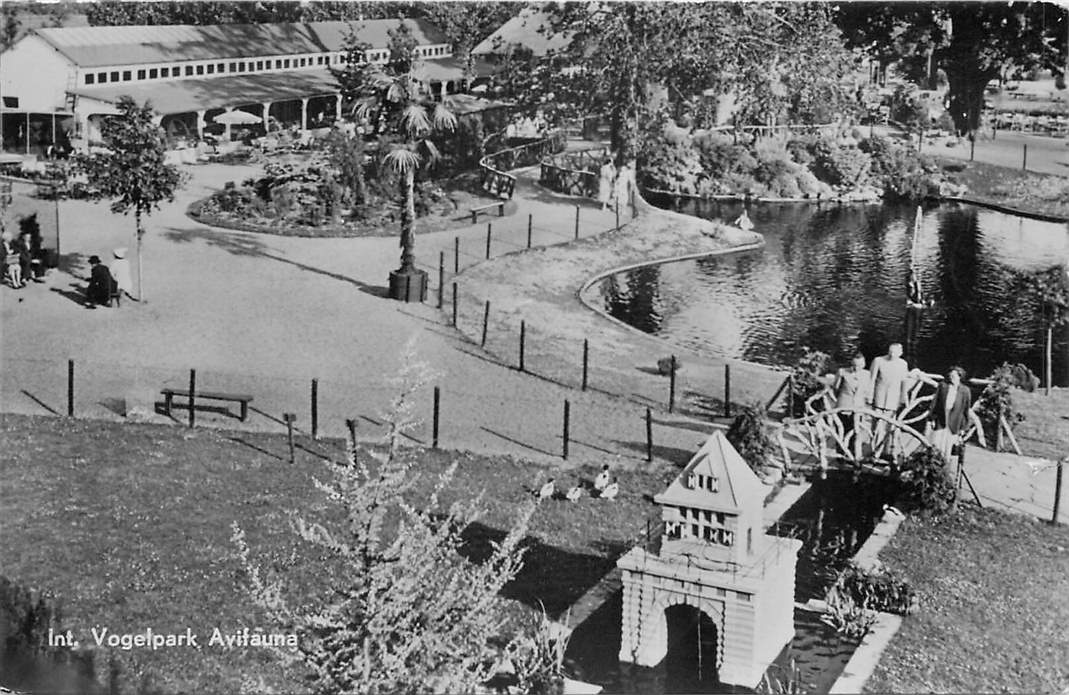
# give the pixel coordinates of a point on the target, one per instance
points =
(834, 278)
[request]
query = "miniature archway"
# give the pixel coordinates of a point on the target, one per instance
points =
(653, 632)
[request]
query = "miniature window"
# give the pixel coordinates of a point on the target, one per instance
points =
(220, 67)
(727, 538)
(115, 76)
(707, 532)
(102, 77)
(711, 483)
(286, 63)
(141, 74)
(165, 72)
(707, 516)
(303, 62)
(189, 70)
(153, 73)
(694, 532)
(90, 78)
(126, 75)
(211, 70)
(200, 69)
(260, 65)
(241, 66)
(176, 71)
(233, 67)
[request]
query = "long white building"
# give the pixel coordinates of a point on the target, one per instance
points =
(56, 83)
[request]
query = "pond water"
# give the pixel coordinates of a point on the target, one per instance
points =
(832, 519)
(833, 278)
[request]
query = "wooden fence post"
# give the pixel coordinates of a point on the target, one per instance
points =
(672, 384)
(315, 408)
(567, 413)
(790, 395)
(437, 415)
(489, 226)
(586, 361)
(456, 255)
(530, 222)
(649, 436)
(617, 215)
(1024, 159)
(70, 388)
(350, 425)
(441, 278)
(289, 418)
(486, 320)
(192, 391)
(454, 304)
(523, 340)
(576, 221)
(1057, 491)
(727, 390)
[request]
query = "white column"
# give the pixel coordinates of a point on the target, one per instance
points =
(267, 114)
(226, 126)
(200, 124)
(304, 113)
(441, 90)
(337, 108)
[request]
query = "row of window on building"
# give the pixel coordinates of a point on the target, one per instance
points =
(238, 67)
(678, 530)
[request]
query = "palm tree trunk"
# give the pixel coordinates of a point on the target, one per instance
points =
(408, 221)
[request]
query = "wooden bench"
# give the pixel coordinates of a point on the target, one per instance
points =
(169, 395)
(500, 205)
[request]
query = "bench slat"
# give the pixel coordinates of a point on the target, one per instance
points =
(215, 395)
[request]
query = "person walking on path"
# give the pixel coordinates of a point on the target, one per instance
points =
(888, 382)
(949, 412)
(606, 177)
(625, 186)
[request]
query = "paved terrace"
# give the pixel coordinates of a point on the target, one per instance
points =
(266, 314)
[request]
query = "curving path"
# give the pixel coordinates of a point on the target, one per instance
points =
(266, 314)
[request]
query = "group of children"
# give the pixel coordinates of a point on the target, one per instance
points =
(605, 487)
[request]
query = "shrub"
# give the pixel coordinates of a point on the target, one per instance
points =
(925, 483)
(720, 158)
(997, 400)
(749, 434)
(808, 373)
(847, 617)
(876, 589)
(841, 166)
(802, 150)
(674, 168)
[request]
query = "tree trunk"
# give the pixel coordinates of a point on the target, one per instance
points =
(966, 96)
(140, 234)
(408, 221)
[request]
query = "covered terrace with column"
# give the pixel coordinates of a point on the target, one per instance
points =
(189, 107)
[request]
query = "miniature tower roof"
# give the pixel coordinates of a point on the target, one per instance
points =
(735, 488)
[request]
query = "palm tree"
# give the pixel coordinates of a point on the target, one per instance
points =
(399, 107)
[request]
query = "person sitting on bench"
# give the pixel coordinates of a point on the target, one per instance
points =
(101, 284)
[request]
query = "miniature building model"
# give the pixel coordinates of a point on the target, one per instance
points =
(715, 557)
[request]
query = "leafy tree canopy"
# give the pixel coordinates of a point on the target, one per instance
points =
(973, 42)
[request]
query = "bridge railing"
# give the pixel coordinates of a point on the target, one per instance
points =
(495, 166)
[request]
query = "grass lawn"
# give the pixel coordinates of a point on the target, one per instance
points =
(131, 525)
(1045, 430)
(994, 612)
(1040, 193)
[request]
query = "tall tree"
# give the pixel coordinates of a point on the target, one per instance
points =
(132, 171)
(467, 23)
(11, 25)
(409, 613)
(973, 42)
(1051, 289)
(397, 106)
(780, 59)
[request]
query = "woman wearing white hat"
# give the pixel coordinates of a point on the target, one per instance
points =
(120, 272)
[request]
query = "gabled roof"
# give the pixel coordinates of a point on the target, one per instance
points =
(136, 45)
(738, 487)
(531, 28)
